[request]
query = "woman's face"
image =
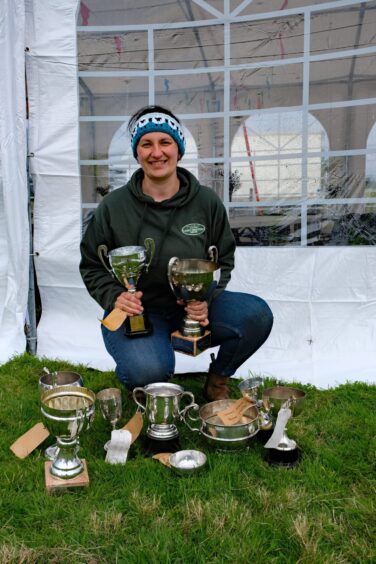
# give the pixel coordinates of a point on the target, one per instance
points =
(157, 154)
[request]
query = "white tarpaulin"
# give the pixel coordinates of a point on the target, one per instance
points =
(323, 298)
(14, 230)
(53, 140)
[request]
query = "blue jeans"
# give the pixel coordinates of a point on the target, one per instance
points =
(239, 323)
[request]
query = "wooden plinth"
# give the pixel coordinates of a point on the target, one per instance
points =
(190, 345)
(53, 484)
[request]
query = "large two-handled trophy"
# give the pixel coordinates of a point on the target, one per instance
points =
(191, 280)
(161, 405)
(127, 264)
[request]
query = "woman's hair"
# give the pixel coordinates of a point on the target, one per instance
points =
(148, 110)
(155, 119)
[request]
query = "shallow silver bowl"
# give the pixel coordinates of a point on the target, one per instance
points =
(61, 378)
(187, 462)
(205, 421)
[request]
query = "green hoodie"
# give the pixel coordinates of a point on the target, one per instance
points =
(184, 226)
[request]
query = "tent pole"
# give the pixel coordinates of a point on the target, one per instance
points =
(31, 322)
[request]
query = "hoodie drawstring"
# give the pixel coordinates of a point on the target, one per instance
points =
(164, 234)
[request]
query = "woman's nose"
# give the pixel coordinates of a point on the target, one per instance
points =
(156, 150)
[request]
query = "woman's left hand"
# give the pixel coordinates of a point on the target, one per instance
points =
(198, 311)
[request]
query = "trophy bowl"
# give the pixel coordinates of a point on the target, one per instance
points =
(66, 412)
(249, 388)
(274, 398)
(61, 378)
(193, 279)
(127, 264)
(53, 380)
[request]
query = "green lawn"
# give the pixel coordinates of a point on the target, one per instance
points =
(238, 510)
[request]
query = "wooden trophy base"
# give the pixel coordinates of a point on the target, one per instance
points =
(54, 484)
(190, 345)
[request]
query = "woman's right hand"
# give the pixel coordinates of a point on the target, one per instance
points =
(130, 303)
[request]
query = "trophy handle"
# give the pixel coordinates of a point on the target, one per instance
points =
(187, 412)
(134, 393)
(102, 250)
(213, 253)
(150, 249)
(191, 397)
(171, 265)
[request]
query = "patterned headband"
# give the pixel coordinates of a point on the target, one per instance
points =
(149, 123)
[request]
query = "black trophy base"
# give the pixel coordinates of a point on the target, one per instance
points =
(262, 436)
(154, 446)
(190, 345)
(138, 326)
(282, 458)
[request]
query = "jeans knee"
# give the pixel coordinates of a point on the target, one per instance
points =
(132, 377)
(268, 317)
(258, 318)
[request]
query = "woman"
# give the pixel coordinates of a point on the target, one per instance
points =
(162, 201)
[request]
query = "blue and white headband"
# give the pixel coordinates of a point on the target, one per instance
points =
(156, 121)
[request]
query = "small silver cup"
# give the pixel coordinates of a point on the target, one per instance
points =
(162, 408)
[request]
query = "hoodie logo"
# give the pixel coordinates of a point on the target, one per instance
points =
(193, 229)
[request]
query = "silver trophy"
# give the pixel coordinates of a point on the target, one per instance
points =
(282, 403)
(162, 408)
(127, 264)
(191, 280)
(51, 380)
(67, 411)
(111, 407)
(249, 388)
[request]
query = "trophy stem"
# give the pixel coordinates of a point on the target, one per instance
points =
(191, 328)
(162, 432)
(67, 464)
(286, 443)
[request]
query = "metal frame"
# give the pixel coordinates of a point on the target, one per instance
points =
(226, 20)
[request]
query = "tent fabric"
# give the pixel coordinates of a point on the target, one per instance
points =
(52, 88)
(14, 224)
(324, 305)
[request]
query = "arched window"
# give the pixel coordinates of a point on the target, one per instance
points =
(267, 151)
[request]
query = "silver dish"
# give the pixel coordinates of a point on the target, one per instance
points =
(60, 378)
(222, 437)
(187, 462)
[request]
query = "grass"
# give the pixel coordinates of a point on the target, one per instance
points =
(239, 510)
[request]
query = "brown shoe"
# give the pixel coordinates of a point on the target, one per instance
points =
(215, 387)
